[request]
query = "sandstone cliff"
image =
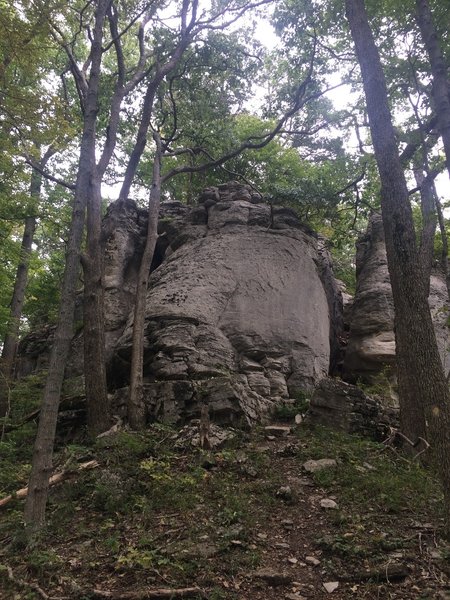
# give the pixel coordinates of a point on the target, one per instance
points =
(239, 312)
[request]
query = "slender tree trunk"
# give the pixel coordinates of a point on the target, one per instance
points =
(98, 418)
(42, 461)
(423, 390)
(439, 67)
(444, 238)
(18, 298)
(11, 338)
(136, 408)
(429, 221)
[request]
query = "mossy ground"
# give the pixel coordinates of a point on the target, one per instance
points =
(151, 516)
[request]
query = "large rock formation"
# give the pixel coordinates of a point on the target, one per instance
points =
(242, 308)
(371, 345)
(238, 313)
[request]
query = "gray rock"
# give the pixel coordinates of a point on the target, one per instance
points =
(371, 345)
(313, 466)
(312, 560)
(328, 504)
(238, 311)
(277, 430)
(331, 586)
(273, 577)
(345, 407)
(242, 309)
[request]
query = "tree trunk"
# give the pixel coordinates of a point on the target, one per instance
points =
(440, 88)
(429, 221)
(98, 418)
(42, 462)
(43, 447)
(423, 391)
(444, 238)
(136, 408)
(18, 298)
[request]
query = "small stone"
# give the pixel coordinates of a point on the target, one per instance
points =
(293, 560)
(294, 597)
(272, 577)
(262, 536)
(287, 524)
(368, 466)
(312, 560)
(249, 470)
(331, 586)
(285, 492)
(204, 549)
(277, 430)
(328, 504)
(282, 546)
(313, 466)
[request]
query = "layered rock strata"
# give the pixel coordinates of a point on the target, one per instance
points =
(238, 315)
(345, 407)
(371, 344)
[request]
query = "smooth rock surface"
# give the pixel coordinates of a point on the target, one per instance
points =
(237, 313)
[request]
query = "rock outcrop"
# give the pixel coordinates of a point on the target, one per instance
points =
(371, 344)
(345, 407)
(238, 313)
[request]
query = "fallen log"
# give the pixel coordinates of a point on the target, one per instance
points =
(54, 479)
(158, 594)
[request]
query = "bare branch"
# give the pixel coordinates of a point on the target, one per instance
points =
(79, 76)
(117, 36)
(36, 166)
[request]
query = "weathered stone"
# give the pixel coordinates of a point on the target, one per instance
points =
(237, 310)
(273, 577)
(371, 345)
(345, 407)
(331, 586)
(277, 430)
(313, 466)
(328, 504)
(312, 560)
(189, 436)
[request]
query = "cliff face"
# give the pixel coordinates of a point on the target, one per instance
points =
(371, 345)
(242, 308)
(237, 313)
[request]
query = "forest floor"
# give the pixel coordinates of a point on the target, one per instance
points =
(244, 522)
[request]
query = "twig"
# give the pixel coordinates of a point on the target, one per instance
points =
(32, 586)
(396, 433)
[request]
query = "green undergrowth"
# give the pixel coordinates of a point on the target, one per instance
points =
(154, 513)
(370, 474)
(380, 495)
